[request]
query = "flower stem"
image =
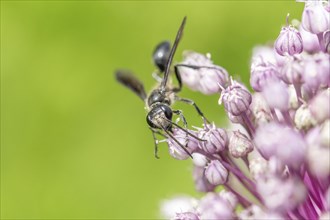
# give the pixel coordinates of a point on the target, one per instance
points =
(243, 201)
(313, 191)
(248, 124)
(297, 88)
(287, 118)
(321, 41)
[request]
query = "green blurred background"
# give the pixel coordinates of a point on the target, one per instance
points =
(74, 143)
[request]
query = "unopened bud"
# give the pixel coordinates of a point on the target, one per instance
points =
(215, 138)
(319, 106)
(236, 99)
(289, 42)
(216, 173)
(303, 118)
(258, 167)
(177, 151)
(239, 145)
(201, 182)
(199, 160)
(281, 99)
(315, 18)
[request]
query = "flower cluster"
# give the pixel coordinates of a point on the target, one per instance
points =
(275, 163)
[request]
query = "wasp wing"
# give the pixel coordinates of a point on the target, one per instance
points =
(170, 57)
(127, 78)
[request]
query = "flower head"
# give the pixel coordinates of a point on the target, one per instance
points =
(277, 165)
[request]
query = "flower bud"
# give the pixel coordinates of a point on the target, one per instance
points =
(204, 76)
(317, 154)
(312, 75)
(229, 197)
(258, 167)
(310, 41)
(176, 150)
(201, 183)
(315, 18)
(293, 70)
(178, 204)
(319, 106)
(262, 72)
(199, 160)
(325, 216)
(284, 143)
(255, 212)
(281, 195)
(239, 145)
(275, 167)
(213, 206)
(216, 139)
(323, 71)
(303, 118)
(289, 42)
(211, 79)
(276, 95)
(236, 99)
(293, 99)
(263, 54)
(260, 109)
(186, 216)
(216, 173)
(318, 160)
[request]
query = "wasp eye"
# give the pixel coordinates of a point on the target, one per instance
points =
(167, 111)
(160, 55)
(149, 118)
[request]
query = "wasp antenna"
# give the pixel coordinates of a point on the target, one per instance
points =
(170, 58)
(181, 128)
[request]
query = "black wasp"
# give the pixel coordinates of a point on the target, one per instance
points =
(158, 102)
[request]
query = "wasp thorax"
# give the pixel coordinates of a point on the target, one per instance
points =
(157, 96)
(160, 117)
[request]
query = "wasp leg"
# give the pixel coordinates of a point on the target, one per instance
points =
(178, 77)
(185, 124)
(191, 102)
(199, 67)
(178, 142)
(154, 131)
